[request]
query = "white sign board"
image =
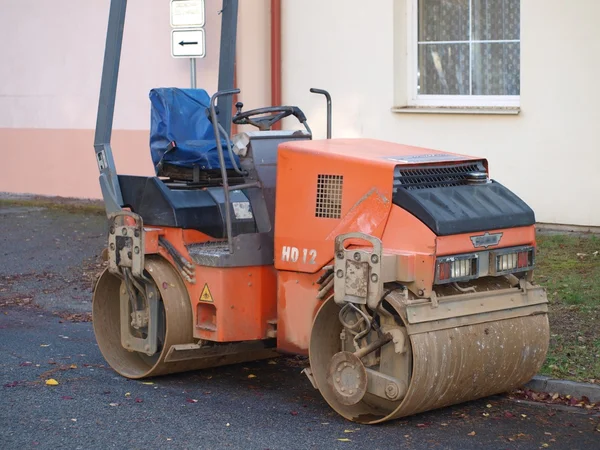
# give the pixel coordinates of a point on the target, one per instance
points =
(187, 13)
(188, 43)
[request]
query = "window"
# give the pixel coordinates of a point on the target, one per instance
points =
(464, 53)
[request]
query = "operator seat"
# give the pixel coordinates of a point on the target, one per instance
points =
(182, 137)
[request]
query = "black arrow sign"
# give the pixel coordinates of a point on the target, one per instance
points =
(182, 43)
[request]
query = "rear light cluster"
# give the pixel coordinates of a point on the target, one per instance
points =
(457, 268)
(450, 269)
(512, 260)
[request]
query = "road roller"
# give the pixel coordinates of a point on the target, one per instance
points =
(403, 273)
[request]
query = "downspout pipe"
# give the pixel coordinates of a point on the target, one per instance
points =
(276, 56)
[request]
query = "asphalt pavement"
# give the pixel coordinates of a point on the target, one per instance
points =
(47, 262)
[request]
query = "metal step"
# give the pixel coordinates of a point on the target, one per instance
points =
(252, 249)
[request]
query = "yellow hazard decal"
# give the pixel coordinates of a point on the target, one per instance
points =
(206, 296)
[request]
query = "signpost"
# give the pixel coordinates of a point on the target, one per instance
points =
(188, 37)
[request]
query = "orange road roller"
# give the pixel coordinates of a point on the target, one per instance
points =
(403, 273)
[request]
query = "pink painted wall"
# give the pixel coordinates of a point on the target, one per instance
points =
(61, 162)
(50, 80)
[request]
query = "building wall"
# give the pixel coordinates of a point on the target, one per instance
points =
(549, 154)
(50, 81)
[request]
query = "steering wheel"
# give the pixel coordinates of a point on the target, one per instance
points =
(265, 118)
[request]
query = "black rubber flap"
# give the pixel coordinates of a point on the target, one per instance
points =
(465, 209)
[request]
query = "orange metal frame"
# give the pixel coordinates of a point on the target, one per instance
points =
(243, 303)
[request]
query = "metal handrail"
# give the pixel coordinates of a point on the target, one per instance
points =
(213, 116)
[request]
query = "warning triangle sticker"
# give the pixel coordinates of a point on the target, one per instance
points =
(206, 296)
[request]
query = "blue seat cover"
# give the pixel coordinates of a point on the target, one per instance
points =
(179, 115)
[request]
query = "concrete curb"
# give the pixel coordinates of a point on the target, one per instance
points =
(541, 383)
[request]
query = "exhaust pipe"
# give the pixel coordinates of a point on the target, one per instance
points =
(328, 97)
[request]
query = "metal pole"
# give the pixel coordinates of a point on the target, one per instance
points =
(193, 72)
(109, 182)
(229, 16)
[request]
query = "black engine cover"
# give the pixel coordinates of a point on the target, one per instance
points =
(465, 209)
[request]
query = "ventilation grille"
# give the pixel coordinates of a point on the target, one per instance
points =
(329, 196)
(424, 177)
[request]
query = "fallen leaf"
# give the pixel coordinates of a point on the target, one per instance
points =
(444, 424)
(251, 376)
(488, 405)
(44, 345)
(66, 397)
(523, 415)
(113, 404)
(423, 425)
(272, 362)
(294, 413)
(73, 420)
(545, 445)
(73, 366)
(486, 415)
(191, 400)
(26, 363)
(348, 431)
(226, 424)
(555, 396)
(509, 415)
(147, 382)
(472, 433)
(344, 440)
(127, 394)
(51, 382)
(547, 434)
(139, 400)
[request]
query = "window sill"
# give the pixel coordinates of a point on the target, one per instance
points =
(494, 110)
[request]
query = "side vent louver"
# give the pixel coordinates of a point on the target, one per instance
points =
(430, 176)
(329, 196)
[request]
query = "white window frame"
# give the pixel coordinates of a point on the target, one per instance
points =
(420, 100)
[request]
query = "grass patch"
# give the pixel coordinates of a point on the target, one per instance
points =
(569, 268)
(80, 206)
